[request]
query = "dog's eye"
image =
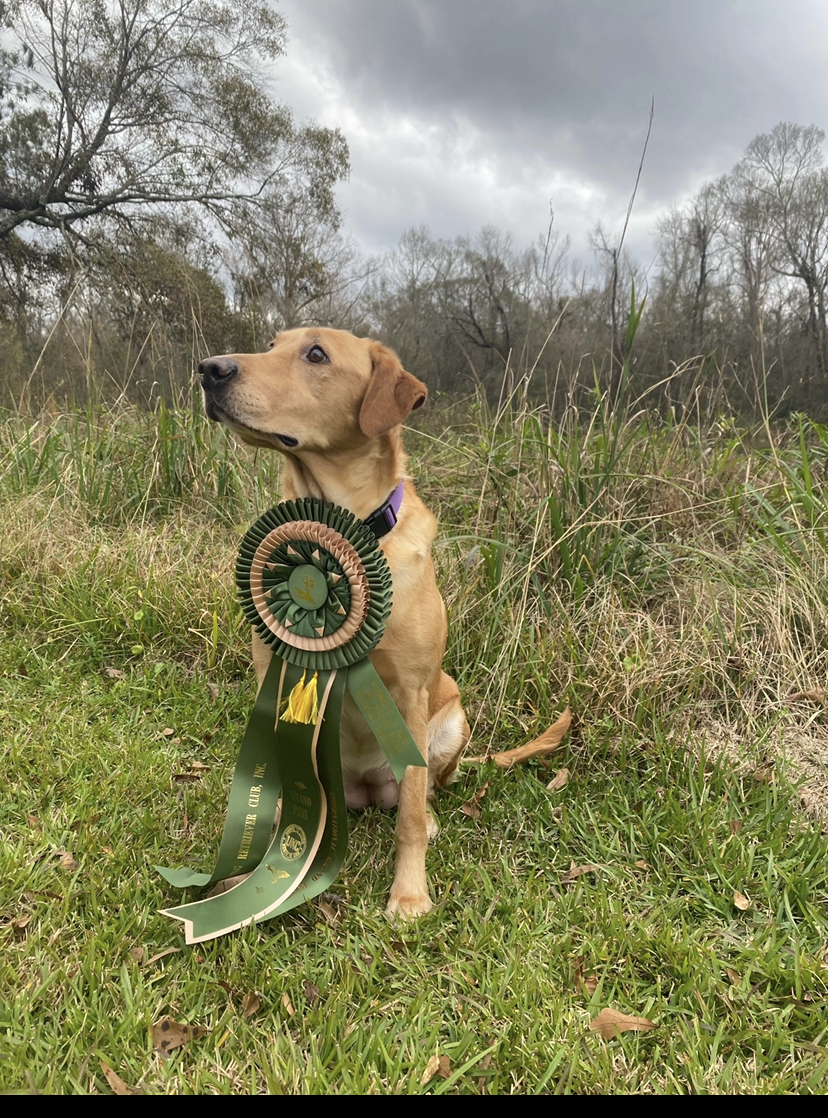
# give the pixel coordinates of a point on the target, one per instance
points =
(316, 355)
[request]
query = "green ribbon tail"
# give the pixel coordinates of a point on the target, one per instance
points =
(334, 845)
(380, 712)
(255, 791)
(298, 843)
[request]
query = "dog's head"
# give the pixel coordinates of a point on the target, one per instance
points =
(313, 389)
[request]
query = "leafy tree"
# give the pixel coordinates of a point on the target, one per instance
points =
(115, 106)
(138, 142)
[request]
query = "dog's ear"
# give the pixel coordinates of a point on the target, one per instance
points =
(392, 393)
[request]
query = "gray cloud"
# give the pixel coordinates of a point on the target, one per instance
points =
(463, 112)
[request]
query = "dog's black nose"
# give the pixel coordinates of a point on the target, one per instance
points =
(216, 371)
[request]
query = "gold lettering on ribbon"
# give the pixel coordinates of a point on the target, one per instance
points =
(253, 798)
(259, 771)
(247, 837)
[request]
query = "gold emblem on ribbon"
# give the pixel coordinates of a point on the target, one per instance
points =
(293, 843)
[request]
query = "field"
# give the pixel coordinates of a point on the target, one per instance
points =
(668, 581)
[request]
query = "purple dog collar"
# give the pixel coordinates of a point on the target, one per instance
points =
(383, 519)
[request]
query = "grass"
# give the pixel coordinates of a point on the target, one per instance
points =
(665, 580)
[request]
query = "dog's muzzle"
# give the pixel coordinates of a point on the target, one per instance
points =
(217, 375)
(217, 372)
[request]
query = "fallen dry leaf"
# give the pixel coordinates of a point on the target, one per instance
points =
(741, 901)
(558, 781)
(815, 695)
(311, 993)
(227, 884)
(288, 1004)
(609, 1023)
(734, 976)
(33, 821)
(575, 872)
(116, 1083)
(437, 1065)
(168, 732)
(251, 1003)
(642, 865)
(472, 808)
(329, 912)
(735, 826)
(430, 1070)
(168, 1035)
(18, 924)
(137, 954)
(213, 688)
(114, 673)
(67, 861)
(544, 744)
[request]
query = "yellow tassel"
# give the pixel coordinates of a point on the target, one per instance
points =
(309, 706)
(303, 702)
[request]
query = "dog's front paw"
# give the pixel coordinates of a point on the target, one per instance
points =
(408, 906)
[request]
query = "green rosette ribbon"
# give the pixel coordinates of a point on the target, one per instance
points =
(317, 589)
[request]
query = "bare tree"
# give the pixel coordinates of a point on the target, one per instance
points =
(484, 291)
(705, 221)
(784, 190)
(609, 256)
(690, 247)
(546, 262)
(290, 262)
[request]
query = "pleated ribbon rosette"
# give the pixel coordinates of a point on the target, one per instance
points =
(317, 589)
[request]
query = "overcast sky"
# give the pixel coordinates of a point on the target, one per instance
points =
(461, 113)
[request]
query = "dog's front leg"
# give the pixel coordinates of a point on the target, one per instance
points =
(409, 892)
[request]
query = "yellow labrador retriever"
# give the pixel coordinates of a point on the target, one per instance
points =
(332, 404)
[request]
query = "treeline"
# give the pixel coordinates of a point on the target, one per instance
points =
(156, 204)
